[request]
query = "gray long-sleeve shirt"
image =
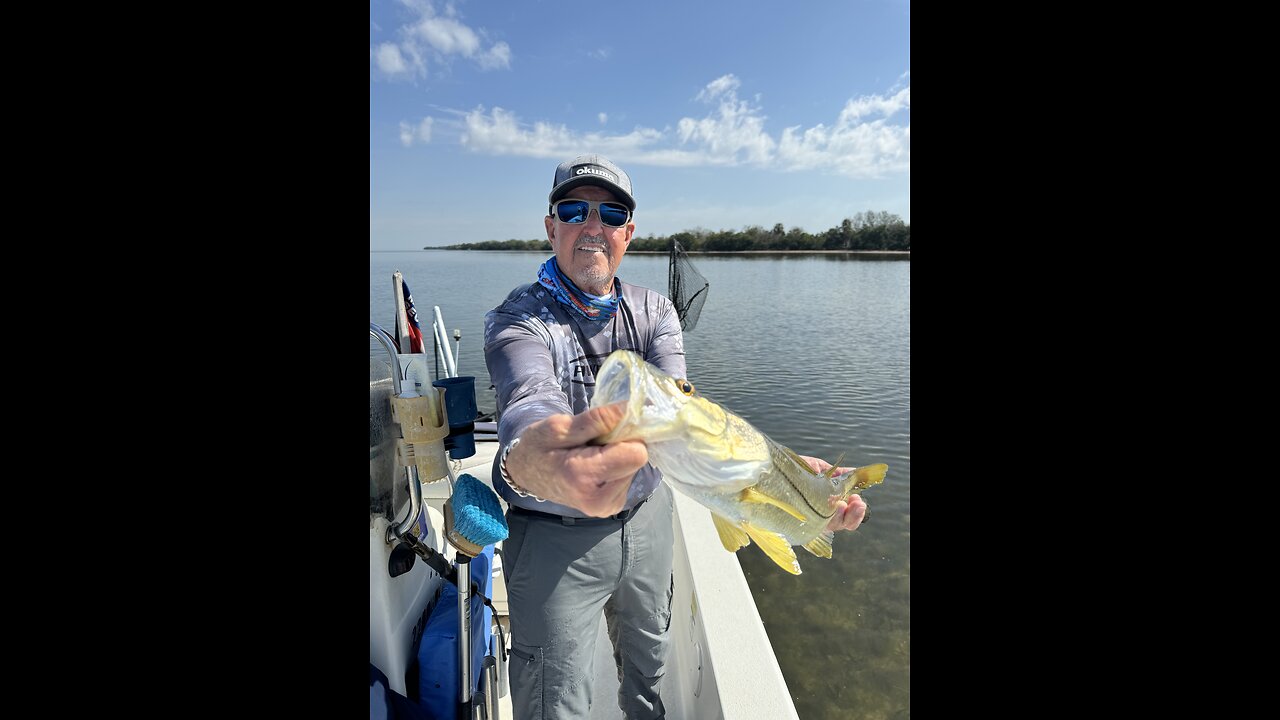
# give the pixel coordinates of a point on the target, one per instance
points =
(543, 358)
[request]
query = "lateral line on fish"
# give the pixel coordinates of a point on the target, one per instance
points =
(805, 466)
(800, 492)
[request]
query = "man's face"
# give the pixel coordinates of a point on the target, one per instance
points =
(589, 252)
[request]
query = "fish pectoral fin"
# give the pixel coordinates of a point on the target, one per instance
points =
(821, 545)
(775, 546)
(752, 495)
(731, 537)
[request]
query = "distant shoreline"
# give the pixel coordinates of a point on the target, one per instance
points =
(778, 252)
(698, 252)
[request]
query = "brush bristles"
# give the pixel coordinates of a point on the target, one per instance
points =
(473, 516)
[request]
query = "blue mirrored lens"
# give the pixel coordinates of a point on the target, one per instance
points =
(572, 211)
(613, 214)
(576, 211)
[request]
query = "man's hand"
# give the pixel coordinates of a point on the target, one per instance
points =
(554, 461)
(849, 513)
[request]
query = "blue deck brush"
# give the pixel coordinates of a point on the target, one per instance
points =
(472, 519)
(473, 516)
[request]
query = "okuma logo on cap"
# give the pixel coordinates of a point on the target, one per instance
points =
(595, 170)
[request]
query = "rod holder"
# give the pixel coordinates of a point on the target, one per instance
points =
(424, 427)
(460, 406)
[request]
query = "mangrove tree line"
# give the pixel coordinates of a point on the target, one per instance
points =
(864, 231)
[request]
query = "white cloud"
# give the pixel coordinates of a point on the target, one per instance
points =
(446, 35)
(498, 56)
(603, 118)
(734, 128)
(499, 132)
(440, 36)
(719, 86)
(875, 105)
(855, 146)
(389, 59)
(869, 138)
(421, 134)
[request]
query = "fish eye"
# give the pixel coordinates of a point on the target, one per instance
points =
(685, 386)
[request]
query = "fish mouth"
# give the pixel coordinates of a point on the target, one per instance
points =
(626, 377)
(614, 381)
(620, 379)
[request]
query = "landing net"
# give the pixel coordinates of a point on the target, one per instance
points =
(687, 288)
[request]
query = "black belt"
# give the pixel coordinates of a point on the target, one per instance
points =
(566, 520)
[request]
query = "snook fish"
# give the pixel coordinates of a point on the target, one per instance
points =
(755, 488)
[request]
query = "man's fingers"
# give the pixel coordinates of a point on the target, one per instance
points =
(597, 422)
(615, 460)
(592, 478)
(850, 512)
(609, 498)
(580, 429)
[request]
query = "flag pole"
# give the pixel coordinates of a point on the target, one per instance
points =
(402, 316)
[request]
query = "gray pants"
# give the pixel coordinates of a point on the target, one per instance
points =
(560, 577)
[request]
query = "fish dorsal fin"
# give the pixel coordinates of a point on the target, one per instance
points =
(752, 495)
(796, 456)
(775, 546)
(831, 471)
(821, 545)
(731, 537)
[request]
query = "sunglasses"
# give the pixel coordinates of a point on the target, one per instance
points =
(575, 212)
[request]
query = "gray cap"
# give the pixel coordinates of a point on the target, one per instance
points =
(591, 170)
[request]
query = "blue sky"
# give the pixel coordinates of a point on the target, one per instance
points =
(725, 113)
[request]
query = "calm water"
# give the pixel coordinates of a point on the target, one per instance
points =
(815, 351)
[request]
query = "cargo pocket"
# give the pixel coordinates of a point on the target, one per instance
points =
(524, 673)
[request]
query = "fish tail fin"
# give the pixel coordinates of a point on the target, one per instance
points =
(862, 478)
(731, 536)
(775, 546)
(821, 545)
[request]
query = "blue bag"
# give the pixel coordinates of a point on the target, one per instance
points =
(438, 679)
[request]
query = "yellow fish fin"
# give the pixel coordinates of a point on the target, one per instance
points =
(731, 537)
(775, 546)
(865, 477)
(752, 495)
(796, 457)
(821, 545)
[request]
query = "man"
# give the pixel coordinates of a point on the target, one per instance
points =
(590, 525)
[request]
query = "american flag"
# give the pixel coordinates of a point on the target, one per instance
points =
(415, 331)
